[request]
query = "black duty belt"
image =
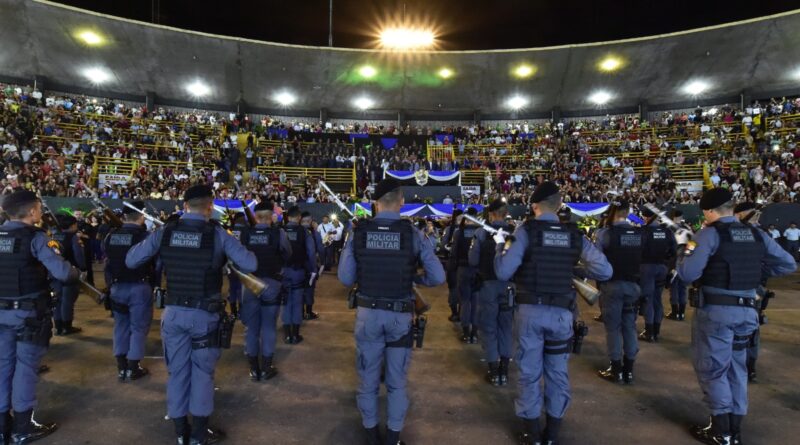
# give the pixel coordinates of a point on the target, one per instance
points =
(386, 305)
(27, 304)
(206, 305)
(729, 300)
(547, 300)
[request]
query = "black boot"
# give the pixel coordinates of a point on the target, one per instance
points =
(647, 334)
(267, 370)
(473, 335)
(682, 312)
(531, 434)
(493, 374)
(752, 377)
(393, 437)
(182, 430)
(296, 337)
(235, 309)
(310, 314)
(736, 428)
(122, 367)
(26, 429)
(255, 369)
(135, 370)
(551, 430)
(674, 314)
(656, 331)
(454, 313)
(716, 433)
(5, 427)
(287, 334)
(202, 434)
(69, 329)
(614, 372)
(465, 334)
(503, 371)
(374, 436)
(627, 370)
(59, 324)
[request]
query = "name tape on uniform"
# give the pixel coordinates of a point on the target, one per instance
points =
(7, 245)
(189, 240)
(742, 235)
(630, 240)
(556, 239)
(259, 239)
(120, 239)
(383, 241)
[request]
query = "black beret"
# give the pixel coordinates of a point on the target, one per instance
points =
(744, 206)
(198, 191)
(676, 213)
(457, 212)
(544, 191)
(714, 198)
(472, 211)
(495, 205)
(66, 221)
(263, 206)
(293, 212)
(565, 211)
(647, 213)
(384, 187)
(305, 215)
(17, 199)
(138, 204)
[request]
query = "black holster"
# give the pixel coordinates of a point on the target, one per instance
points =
(507, 303)
(695, 297)
(37, 331)
(351, 298)
(580, 330)
(160, 296)
(218, 338)
(418, 330)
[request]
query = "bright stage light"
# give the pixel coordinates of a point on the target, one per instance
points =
(198, 89)
(97, 75)
(445, 73)
(407, 38)
(363, 103)
(610, 64)
(695, 87)
(523, 71)
(517, 102)
(600, 97)
(367, 71)
(285, 98)
(90, 37)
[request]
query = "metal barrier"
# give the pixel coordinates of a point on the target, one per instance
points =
(331, 176)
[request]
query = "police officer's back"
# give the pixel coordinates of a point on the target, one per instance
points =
(67, 293)
(381, 257)
(725, 261)
(659, 250)
(26, 257)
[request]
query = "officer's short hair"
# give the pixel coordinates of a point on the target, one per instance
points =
(293, 212)
(199, 203)
(726, 207)
(130, 217)
(552, 202)
(390, 198)
(21, 211)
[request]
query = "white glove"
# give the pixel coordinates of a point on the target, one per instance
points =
(683, 236)
(499, 238)
(311, 280)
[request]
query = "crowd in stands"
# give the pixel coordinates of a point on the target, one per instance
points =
(52, 142)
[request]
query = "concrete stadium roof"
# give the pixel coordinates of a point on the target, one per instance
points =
(757, 58)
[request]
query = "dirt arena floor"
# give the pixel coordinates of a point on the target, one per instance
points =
(312, 400)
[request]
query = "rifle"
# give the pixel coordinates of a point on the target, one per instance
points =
(420, 305)
(146, 215)
(112, 217)
(336, 199)
(248, 214)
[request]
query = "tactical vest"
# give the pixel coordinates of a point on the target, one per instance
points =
(187, 251)
(65, 239)
(486, 265)
(553, 250)
(465, 234)
(20, 272)
(736, 265)
(237, 230)
(385, 258)
(656, 246)
(118, 243)
(624, 252)
(265, 243)
(297, 238)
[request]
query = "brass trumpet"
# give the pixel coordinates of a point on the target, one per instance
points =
(589, 293)
(249, 281)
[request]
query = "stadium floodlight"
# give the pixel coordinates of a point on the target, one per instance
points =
(445, 73)
(523, 71)
(285, 98)
(90, 37)
(695, 87)
(600, 97)
(367, 71)
(97, 75)
(363, 103)
(407, 39)
(517, 102)
(712, 111)
(610, 64)
(198, 89)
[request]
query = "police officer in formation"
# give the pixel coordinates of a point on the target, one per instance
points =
(726, 259)
(466, 277)
(495, 314)
(677, 288)
(659, 249)
(234, 284)
(130, 292)
(541, 261)
(382, 257)
(67, 293)
(259, 314)
(623, 245)
(296, 274)
(452, 272)
(26, 257)
(193, 251)
(319, 252)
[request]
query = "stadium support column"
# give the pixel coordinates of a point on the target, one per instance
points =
(401, 118)
(323, 116)
(555, 114)
(150, 100)
(476, 117)
(39, 82)
(644, 110)
(745, 97)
